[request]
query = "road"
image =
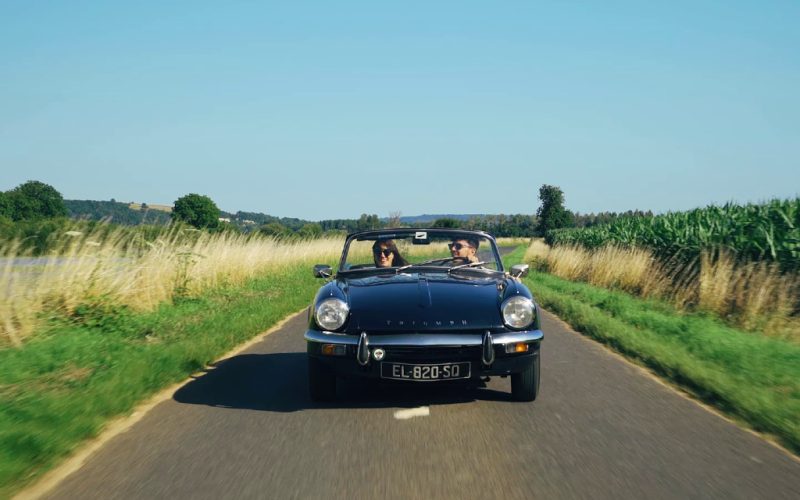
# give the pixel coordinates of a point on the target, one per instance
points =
(601, 428)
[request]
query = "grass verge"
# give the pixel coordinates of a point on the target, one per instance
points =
(59, 389)
(754, 378)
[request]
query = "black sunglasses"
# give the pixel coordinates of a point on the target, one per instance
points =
(386, 252)
(457, 246)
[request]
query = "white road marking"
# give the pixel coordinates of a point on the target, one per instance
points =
(422, 411)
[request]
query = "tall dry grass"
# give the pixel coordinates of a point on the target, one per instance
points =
(756, 293)
(635, 271)
(123, 270)
(755, 296)
(513, 241)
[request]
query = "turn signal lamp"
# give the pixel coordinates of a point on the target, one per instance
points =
(334, 350)
(519, 347)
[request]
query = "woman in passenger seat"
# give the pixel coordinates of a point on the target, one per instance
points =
(386, 254)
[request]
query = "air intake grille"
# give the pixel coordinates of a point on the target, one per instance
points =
(432, 354)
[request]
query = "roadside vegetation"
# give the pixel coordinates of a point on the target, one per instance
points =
(755, 296)
(738, 262)
(123, 268)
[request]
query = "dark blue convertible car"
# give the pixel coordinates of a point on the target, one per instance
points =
(423, 305)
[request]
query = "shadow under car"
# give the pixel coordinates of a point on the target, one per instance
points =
(279, 383)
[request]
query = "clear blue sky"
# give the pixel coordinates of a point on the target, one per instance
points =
(332, 109)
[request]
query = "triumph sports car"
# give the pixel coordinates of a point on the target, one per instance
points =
(423, 306)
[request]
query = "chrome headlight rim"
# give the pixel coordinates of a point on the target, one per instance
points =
(331, 314)
(521, 316)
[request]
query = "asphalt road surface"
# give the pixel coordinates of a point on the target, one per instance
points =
(601, 428)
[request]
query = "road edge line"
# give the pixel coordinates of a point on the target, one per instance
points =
(118, 425)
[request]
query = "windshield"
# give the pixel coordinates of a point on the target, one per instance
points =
(404, 250)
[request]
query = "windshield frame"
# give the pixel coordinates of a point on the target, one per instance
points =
(394, 233)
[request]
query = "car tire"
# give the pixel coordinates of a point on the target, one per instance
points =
(525, 384)
(321, 381)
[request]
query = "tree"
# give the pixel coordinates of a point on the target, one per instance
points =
(35, 200)
(447, 222)
(275, 229)
(394, 219)
(552, 214)
(368, 222)
(310, 230)
(346, 225)
(5, 205)
(197, 210)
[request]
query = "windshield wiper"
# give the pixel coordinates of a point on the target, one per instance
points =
(437, 261)
(465, 266)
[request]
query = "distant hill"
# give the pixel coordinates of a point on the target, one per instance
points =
(251, 220)
(131, 213)
(138, 206)
(117, 212)
(417, 219)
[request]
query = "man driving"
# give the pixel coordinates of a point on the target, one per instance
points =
(464, 249)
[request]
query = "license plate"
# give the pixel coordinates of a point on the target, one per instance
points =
(425, 373)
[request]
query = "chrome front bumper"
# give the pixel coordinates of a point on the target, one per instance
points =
(426, 339)
(359, 357)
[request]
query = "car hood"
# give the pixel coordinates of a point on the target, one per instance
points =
(423, 302)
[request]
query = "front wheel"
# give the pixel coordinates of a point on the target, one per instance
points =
(525, 384)
(321, 381)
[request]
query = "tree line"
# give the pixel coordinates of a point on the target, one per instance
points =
(35, 200)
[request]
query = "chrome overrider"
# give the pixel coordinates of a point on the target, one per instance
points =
(486, 340)
(362, 353)
(487, 353)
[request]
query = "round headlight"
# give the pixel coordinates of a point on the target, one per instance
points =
(331, 313)
(518, 312)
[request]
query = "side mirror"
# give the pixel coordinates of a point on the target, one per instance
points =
(323, 271)
(519, 270)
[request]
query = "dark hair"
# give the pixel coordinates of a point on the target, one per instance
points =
(398, 260)
(473, 242)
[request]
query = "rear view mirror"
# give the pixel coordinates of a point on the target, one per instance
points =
(519, 270)
(421, 238)
(322, 271)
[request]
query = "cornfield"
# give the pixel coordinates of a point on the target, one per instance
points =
(768, 231)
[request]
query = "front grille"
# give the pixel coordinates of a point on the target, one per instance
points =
(432, 354)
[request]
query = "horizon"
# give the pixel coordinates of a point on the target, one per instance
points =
(338, 110)
(431, 216)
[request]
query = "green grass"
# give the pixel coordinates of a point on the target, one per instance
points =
(61, 387)
(749, 376)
